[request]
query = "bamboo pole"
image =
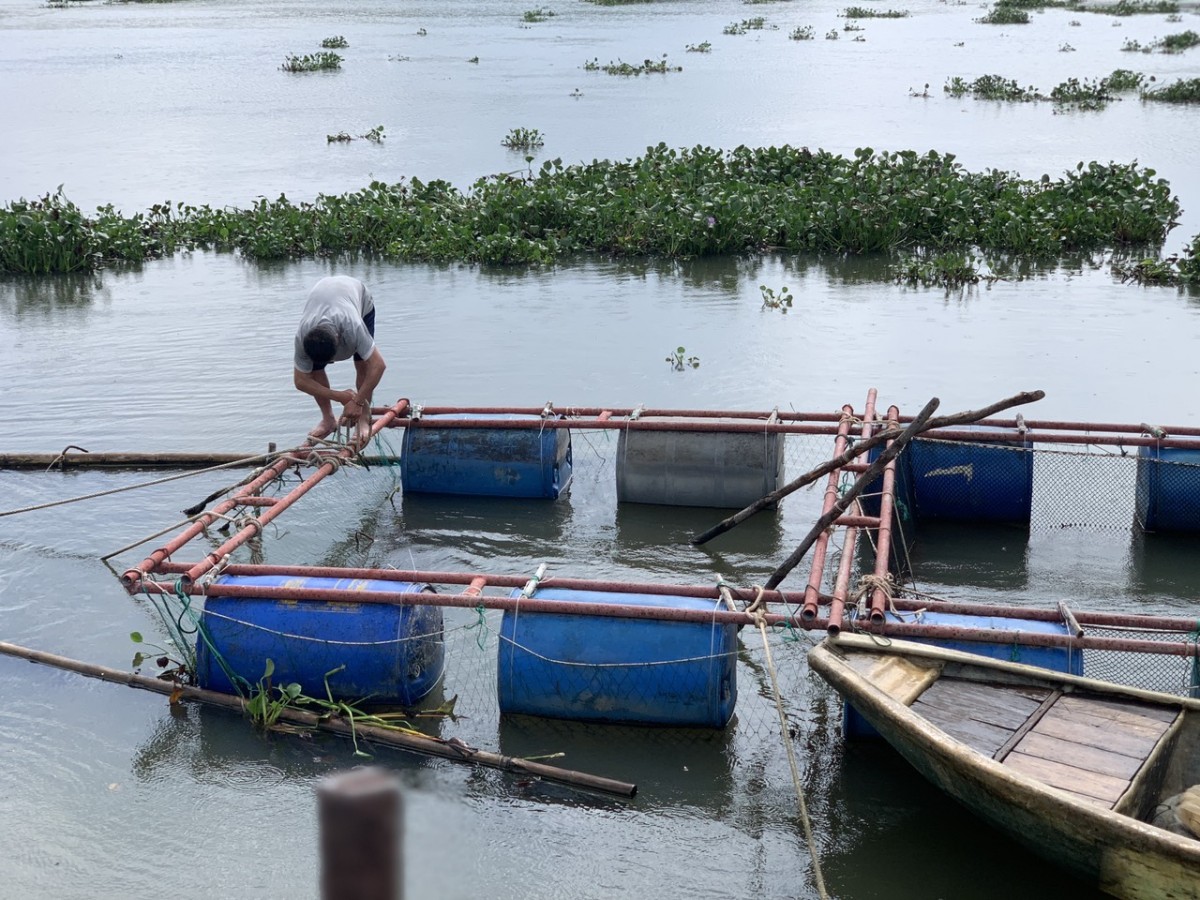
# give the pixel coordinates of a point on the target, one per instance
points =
(453, 749)
(860, 484)
(858, 449)
(135, 460)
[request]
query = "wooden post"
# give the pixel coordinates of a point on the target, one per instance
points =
(361, 829)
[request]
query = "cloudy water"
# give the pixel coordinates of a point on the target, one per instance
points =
(107, 793)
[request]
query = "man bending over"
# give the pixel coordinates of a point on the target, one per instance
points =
(338, 323)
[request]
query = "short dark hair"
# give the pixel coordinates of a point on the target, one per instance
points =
(320, 344)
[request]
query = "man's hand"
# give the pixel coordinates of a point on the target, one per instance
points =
(352, 409)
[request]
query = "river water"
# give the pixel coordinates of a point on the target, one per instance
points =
(105, 792)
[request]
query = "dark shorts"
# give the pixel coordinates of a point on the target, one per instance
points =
(369, 321)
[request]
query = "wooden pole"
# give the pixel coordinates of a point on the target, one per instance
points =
(453, 748)
(858, 449)
(857, 488)
(135, 460)
(361, 830)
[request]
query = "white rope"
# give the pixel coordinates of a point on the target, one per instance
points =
(143, 484)
(756, 609)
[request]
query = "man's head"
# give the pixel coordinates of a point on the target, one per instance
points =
(320, 343)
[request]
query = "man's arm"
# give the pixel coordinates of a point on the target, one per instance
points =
(316, 383)
(373, 369)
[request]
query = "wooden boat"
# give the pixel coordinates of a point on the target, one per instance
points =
(1072, 767)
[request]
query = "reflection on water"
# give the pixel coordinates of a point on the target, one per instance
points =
(683, 766)
(984, 555)
(1164, 566)
(52, 295)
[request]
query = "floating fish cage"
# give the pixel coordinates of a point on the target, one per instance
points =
(1168, 489)
(698, 468)
(977, 482)
(607, 669)
(533, 462)
(391, 654)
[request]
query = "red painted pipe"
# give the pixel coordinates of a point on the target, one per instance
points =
(132, 577)
(658, 613)
(817, 572)
(1049, 425)
(718, 615)
(746, 595)
(1037, 614)
(883, 540)
(597, 411)
(1035, 639)
(841, 585)
(249, 531)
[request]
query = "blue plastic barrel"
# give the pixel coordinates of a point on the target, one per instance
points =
(487, 462)
(1168, 489)
(1056, 659)
(392, 654)
(605, 669)
(969, 481)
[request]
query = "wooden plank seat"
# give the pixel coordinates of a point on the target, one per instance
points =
(1088, 746)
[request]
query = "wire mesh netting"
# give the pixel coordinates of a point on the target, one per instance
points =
(1067, 532)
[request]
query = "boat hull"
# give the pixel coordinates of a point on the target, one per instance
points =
(1116, 853)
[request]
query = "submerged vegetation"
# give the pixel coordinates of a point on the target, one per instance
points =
(668, 202)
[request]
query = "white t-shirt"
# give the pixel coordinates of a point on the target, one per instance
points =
(342, 302)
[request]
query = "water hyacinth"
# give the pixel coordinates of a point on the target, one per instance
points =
(667, 202)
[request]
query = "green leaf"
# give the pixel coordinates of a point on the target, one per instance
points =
(135, 636)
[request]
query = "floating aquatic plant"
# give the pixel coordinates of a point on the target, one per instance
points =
(620, 67)
(865, 12)
(705, 47)
(312, 62)
(678, 361)
(952, 271)
(781, 301)
(523, 139)
(1177, 269)
(667, 202)
(335, 43)
(1185, 90)
(375, 135)
(802, 33)
(758, 23)
(1087, 94)
(1172, 43)
(1005, 15)
(1133, 7)
(540, 14)
(992, 87)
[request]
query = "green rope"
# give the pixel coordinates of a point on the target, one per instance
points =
(481, 624)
